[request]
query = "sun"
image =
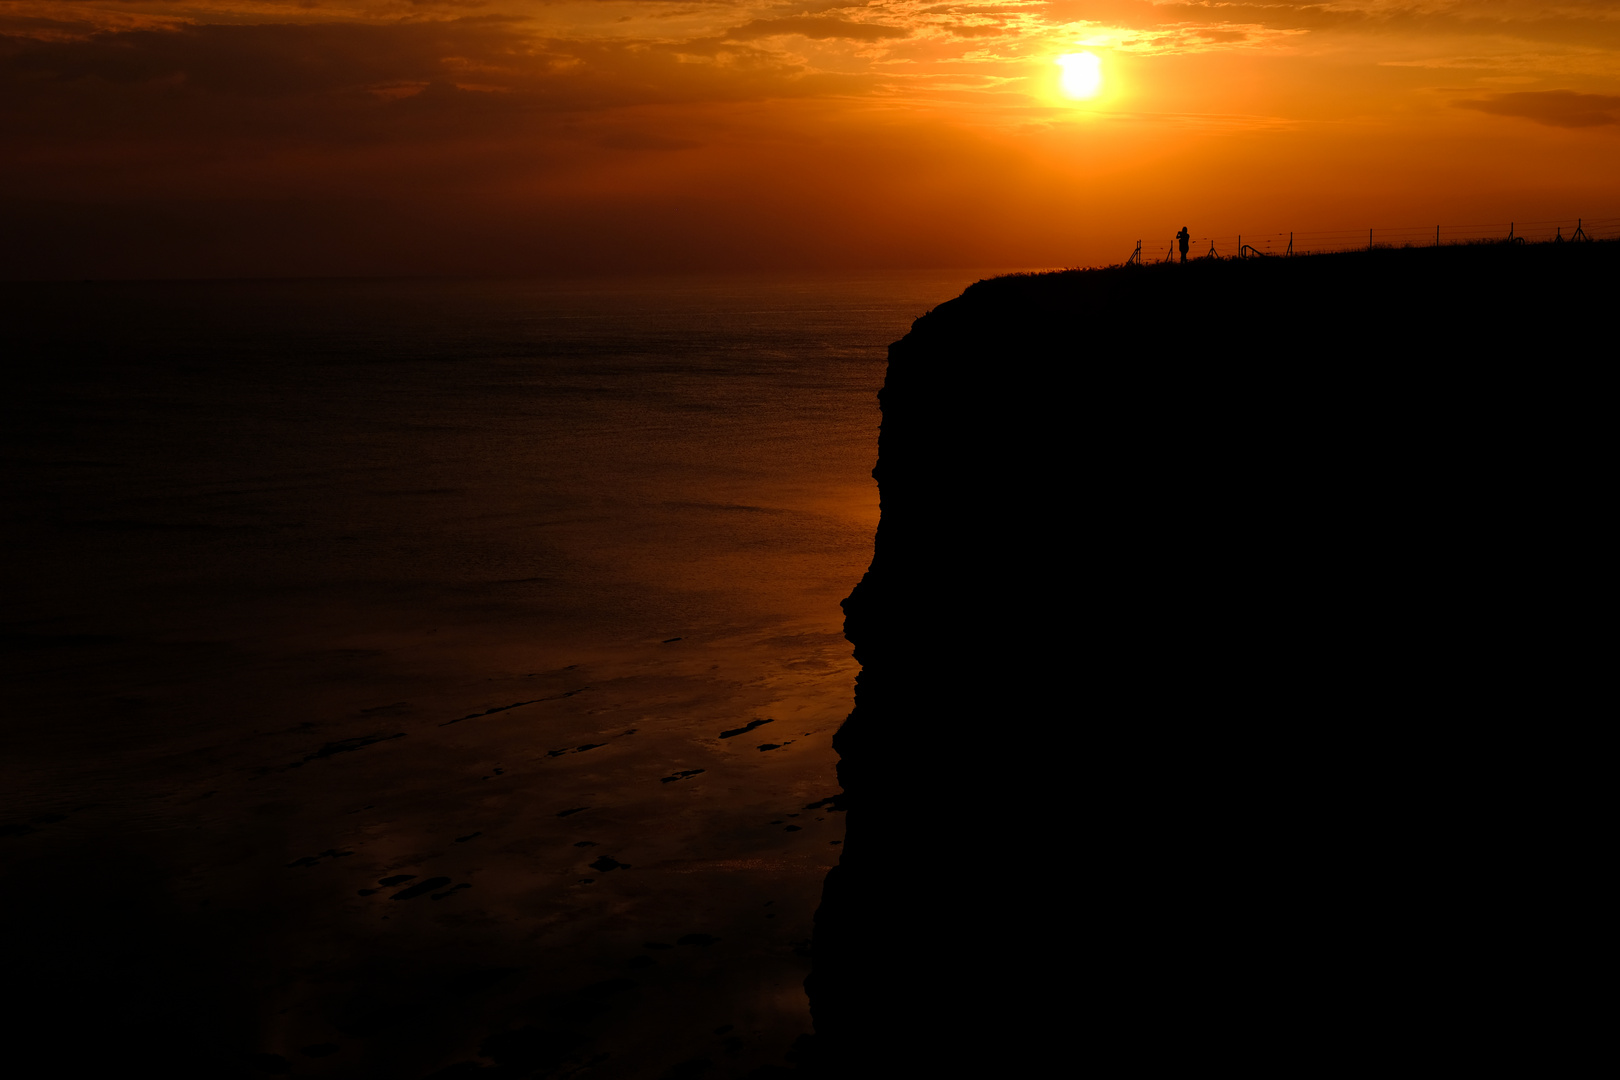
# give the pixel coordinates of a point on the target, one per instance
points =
(1082, 74)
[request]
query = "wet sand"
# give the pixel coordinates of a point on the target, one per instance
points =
(402, 879)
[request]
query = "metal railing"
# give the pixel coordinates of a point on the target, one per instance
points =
(1251, 245)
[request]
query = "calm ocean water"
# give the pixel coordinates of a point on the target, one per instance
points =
(270, 466)
(267, 544)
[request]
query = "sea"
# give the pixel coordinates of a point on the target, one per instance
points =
(453, 664)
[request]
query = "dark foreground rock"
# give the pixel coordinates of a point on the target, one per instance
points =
(1224, 658)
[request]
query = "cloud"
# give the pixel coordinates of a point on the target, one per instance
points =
(1555, 108)
(265, 60)
(818, 27)
(1142, 15)
(271, 67)
(1583, 23)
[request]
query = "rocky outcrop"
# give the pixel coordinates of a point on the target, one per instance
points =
(1191, 639)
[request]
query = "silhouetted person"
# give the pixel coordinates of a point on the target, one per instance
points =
(1185, 238)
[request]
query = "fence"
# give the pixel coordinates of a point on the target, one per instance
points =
(1248, 245)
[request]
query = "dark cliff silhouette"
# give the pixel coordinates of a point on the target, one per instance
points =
(1225, 707)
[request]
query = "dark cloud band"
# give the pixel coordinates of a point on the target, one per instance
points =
(1555, 108)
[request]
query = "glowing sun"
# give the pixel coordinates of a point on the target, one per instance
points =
(1082, 74)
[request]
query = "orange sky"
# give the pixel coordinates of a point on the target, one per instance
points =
(260, 137)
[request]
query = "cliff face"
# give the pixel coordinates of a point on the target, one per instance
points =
(1193, 648)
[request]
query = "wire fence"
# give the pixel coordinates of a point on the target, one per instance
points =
(1249, 245)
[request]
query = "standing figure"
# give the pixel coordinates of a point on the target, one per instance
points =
(1186, 238)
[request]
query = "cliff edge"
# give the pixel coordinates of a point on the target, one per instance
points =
(1218, 650)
